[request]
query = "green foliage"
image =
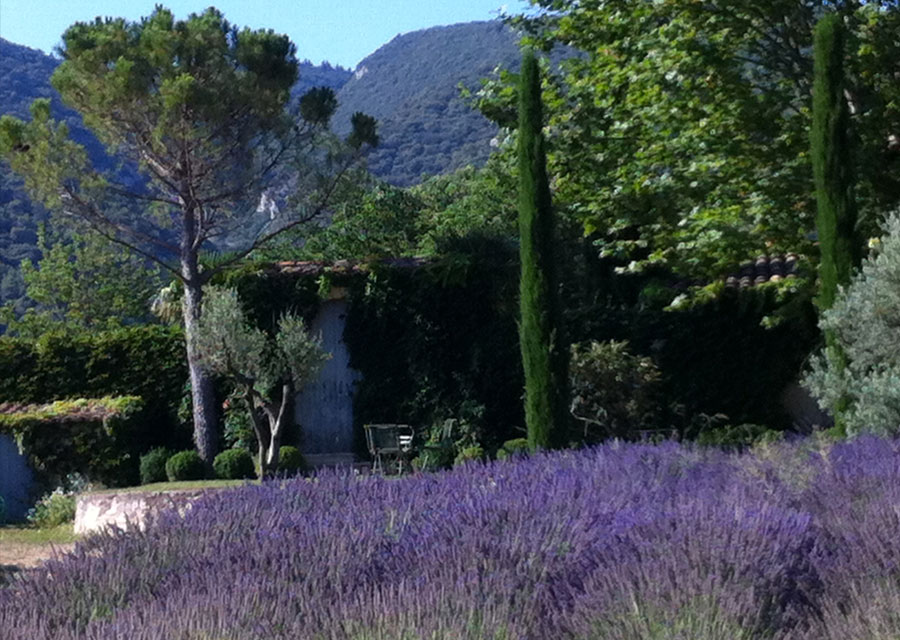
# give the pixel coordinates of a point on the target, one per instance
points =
(467, 202)
(543, 357)
(237, 426)
(16, 419)
(680, 132)
(268, 293)
(291, 461)
(375, 220)
(231, 347)
(833, 169)
(833, 164)
(863, 321)
(614, 393)
(265, 369)
(52, 510)
(25, 75)
(439, 342)
(57, 507)
(153, 465)
(513, 448)
(474, 453)
(720, 357)
(185, 465)
(201, 108)
(737, 437)
(439, 449)
(82, 284)
(234, 464)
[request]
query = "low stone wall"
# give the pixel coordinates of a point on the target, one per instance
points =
(94, 511)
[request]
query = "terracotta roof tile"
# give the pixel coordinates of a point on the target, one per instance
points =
(317, 267)
(771, 268)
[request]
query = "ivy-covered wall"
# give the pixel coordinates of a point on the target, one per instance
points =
(432, 340)
(438, 339)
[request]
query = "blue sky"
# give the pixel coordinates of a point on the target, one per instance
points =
(340, 31)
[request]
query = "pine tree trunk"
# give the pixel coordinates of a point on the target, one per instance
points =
(832, 161)
(543, 353)
(203, 393)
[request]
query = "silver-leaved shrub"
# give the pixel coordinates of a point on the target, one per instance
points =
(866, 322)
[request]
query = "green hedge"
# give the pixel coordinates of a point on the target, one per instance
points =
(234, 464)
(146, 361)
(85, 436)
(717, 358)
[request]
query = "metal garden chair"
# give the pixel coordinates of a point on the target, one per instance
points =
(390, 446)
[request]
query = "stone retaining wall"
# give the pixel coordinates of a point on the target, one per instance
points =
(94, 511)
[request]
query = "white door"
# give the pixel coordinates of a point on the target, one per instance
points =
(324, 408)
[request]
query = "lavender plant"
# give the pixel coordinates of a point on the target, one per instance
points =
(627, 542)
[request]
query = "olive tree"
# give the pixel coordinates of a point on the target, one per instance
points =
(266, 369)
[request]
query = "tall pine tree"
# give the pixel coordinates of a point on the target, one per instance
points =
(834, 178)
(543, 354)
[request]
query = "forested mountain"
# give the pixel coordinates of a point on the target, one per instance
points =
(24, 76)
(411, 86)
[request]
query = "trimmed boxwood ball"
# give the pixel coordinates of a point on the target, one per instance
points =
(234, 464)
(153, 465)
(185, 465)
(290, 461)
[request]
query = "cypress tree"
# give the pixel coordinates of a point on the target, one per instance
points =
(834, 179)
(543, 354)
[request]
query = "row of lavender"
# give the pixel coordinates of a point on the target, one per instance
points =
(620, 542)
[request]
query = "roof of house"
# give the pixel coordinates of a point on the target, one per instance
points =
(772, 268)
(317, 267)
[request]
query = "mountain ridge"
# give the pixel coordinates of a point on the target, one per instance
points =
(411, 85)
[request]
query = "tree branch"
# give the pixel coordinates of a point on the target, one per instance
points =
(101, 225)
(323, 202)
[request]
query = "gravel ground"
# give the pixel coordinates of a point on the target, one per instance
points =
(15, 556)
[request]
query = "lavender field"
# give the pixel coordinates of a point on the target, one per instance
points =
(634, 542)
